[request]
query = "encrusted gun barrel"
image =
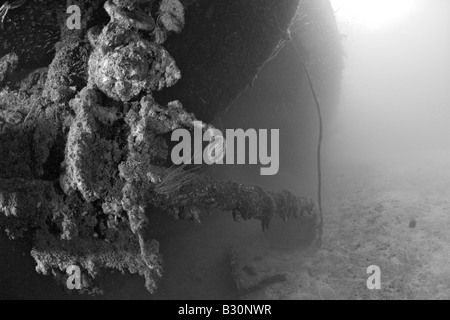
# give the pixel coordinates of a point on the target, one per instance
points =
(244, 201)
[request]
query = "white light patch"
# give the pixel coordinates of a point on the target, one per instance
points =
(373, 14)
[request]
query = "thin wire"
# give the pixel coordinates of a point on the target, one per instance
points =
(319, 145)
(319, 115)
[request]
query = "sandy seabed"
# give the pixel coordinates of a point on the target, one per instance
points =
(392, 212)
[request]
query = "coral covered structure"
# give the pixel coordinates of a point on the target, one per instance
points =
(85, 152)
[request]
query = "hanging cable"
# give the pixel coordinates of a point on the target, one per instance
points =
(285, 37)
(319, 145)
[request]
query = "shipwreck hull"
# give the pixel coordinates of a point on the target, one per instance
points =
(71, 181)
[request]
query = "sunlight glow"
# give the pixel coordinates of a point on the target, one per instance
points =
(373, 14)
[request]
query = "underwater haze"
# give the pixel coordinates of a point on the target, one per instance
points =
(388, 152)
(385, 170)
